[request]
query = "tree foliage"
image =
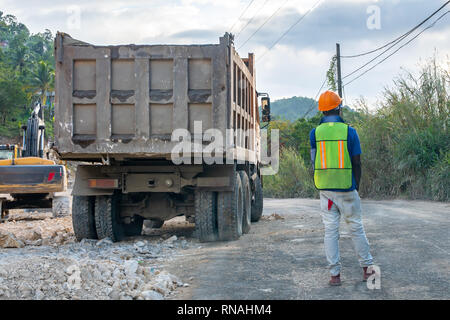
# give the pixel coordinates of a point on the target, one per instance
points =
(26, 73)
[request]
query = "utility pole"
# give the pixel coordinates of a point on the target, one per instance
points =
(338, 64)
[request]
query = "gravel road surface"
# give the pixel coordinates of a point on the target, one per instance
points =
(283, 256)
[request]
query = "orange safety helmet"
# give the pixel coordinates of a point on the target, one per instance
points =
(329, 100)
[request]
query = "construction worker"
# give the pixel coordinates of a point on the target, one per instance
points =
(335, 154)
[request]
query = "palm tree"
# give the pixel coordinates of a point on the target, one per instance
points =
(19, 58)
(43, 80)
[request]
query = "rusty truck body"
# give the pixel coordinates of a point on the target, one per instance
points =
(117, 107)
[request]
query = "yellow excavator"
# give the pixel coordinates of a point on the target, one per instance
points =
(27, 179)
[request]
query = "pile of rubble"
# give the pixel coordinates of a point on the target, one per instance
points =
(39, 230)
(41, 259)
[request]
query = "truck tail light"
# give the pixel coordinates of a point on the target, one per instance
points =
(104, 183)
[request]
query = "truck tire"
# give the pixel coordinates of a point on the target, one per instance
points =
(247, 215)
(107, 222)
(135, 227)
(153, 223)
(257, 201)
(83, 219)
(206, 216)
(230, 210)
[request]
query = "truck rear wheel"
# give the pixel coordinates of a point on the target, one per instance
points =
(257, 201)
(83, 219)
(206, 216)
(107, 220)
(246, 219)
(230, 210)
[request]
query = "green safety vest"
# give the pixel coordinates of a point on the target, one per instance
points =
(332, 167)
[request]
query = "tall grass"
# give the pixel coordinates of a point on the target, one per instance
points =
(294, 178)
(405, 142)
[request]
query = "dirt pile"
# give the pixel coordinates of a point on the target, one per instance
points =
(37, 228)
(40, 259)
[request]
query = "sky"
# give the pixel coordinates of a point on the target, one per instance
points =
(295, 66)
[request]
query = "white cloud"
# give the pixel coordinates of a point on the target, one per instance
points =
(295, 66)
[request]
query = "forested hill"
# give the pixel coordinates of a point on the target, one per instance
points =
(26, 74)
(293, 108)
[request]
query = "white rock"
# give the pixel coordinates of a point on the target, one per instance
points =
(114, 294)
(131, 267)
(117, 274)
(38, 295)
(140, 244)
(171, 239)
(151, 295)
(104, 242)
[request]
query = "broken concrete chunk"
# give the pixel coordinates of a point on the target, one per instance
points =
(172, 239)
(151, 295)
(8, 240)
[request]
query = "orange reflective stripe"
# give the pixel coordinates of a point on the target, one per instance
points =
(341, 154)
(323, 155)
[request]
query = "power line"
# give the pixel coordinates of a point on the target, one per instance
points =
(242, 14)
(251, 19)
(307, 112)
(400, 37)
(390, 47)
(290, 28)
(430, 26)
(315, 98)
(262, 25)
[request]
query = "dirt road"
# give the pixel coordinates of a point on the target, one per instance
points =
(284, 258)
(281, 258)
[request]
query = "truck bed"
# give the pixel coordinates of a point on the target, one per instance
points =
(123, 102)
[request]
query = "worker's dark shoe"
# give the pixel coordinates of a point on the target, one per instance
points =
(366, 274)
(335, 281)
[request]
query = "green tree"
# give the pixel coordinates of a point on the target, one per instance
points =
(42, 80)
(12, 95)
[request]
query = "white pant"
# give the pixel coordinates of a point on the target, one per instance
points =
(347, 204)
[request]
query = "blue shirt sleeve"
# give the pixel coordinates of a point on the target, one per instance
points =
(354, 146)
(312, 138)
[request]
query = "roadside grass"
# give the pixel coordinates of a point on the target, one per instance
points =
(294, 178)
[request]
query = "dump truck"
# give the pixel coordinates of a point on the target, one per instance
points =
(27, 179)
(117, 110)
